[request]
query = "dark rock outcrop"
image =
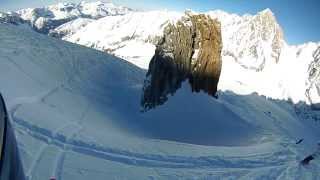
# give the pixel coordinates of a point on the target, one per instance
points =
(313, 89)
(10, 18)
(189, 50)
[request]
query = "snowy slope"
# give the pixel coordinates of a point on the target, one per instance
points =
(131, 37)
(287, 79)
(76, 115)
(250, 39)
(70, 27)
(253, 45)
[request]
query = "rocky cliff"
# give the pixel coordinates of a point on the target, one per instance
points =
(253, 41)
(189, 50)
(313, 90)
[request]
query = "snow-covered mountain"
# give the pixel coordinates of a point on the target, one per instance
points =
(131, 37)
(256, 57)
(48, 18)
(11, 18)
(253, 46)
(250, 39)
(76, 115)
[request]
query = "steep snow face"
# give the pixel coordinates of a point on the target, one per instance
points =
(253, 45)
(76, 115)
(287, 79)
(70, 28)
(131, 37)
(252, 40)
(256, 58)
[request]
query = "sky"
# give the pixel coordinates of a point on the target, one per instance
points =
(299, 19)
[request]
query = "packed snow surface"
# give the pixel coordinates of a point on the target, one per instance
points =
(76, 115)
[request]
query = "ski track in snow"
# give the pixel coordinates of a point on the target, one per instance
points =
(57, 171)
(17, 103)
(36, 160)
(280, 168)
(258, 161)
(68, 144)
(58, 168)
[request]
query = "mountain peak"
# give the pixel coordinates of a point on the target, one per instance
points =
(256, 39)
(103, 2)
(266, 11)
(268, 15)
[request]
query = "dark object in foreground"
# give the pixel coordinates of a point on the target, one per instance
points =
(10, 164)
(307, 160)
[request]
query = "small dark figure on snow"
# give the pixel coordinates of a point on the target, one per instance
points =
(315, 155)
(300, 141)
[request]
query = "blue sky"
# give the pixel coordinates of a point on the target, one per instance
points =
(300, 20)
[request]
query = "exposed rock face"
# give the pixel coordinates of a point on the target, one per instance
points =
(253, 41)
(189, 49)
(313, 91)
